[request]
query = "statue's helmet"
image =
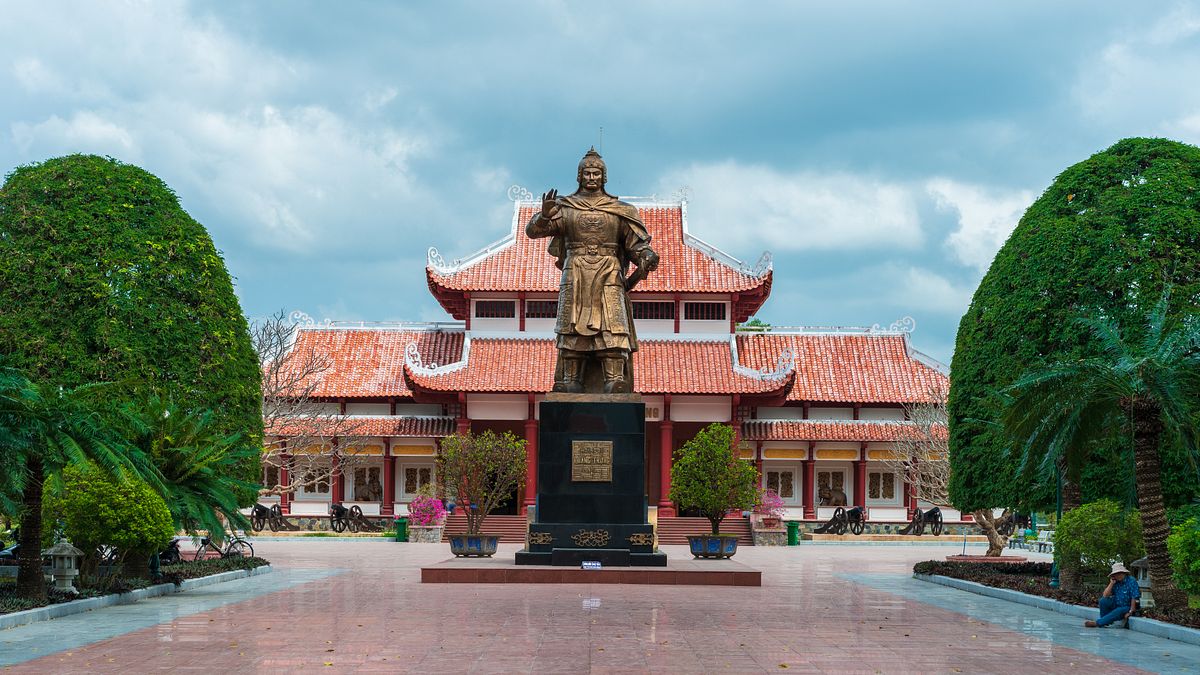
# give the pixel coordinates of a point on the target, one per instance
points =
(593, 159)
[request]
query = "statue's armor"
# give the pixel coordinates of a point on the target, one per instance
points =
(593, 313)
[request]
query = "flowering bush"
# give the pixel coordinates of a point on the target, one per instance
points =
(426, 509)
(769, 503)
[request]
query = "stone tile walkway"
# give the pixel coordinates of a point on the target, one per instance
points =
(820, 609)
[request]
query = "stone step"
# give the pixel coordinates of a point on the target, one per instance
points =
(675, 530)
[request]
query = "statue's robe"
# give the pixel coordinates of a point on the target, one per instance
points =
(593, 240)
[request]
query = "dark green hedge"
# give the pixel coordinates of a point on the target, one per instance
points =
(1103, 239)
(105, 278)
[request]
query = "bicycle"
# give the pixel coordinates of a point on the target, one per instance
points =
(235, 547)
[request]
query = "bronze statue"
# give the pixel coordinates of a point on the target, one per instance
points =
(595, 237)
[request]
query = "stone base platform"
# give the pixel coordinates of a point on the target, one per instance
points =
(971, 538)
(676, 573)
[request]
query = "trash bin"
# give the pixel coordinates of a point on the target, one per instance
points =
(402, 529)
(793, 528)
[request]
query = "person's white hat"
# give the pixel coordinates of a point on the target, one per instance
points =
(1118, 567)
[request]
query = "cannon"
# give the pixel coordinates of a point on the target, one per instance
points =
(1011, 522)
(932, 518)
(259, 515)
(843, 520)
(342, 519)
(277, 522)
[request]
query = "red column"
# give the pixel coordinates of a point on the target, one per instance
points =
(335, 478)
(285, 497)
(860, 483)
(389, 481)
(666, 449)
(464, 423)
(810, 510)
(758, 459)
(531, 456)
(911, 489)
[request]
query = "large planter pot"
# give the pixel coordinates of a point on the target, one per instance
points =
(473, 545)
(713, 545)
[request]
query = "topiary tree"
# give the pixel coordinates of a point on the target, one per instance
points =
(1094, 536)
(97, 509)
(709, 476)
(480, 472)
(104, 278)
(1103, 240)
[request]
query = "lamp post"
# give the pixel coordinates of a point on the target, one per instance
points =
(1058, 484)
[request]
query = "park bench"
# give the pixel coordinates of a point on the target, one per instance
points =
(1044, 542)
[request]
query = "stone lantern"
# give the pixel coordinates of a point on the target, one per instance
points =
(64, 564)
(1141, 572)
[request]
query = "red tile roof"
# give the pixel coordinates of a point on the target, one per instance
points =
(377, 425)
(833, 430)
(862, 368)
(522, 264)
(660, 366)
(366, 363)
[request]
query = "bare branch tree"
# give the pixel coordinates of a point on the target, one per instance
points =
(300, 425)
(923, 455)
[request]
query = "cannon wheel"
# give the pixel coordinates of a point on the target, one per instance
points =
(276, 517)
(856, 527)
(936, 526)
(337, 524)
(257, 523)
(920, 528)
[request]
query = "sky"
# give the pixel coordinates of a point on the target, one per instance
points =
(882, 151)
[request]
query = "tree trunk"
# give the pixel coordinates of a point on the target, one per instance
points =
(987, 523)
(1069, 578)
(1147, 432)
(31, 582)
(716, 523)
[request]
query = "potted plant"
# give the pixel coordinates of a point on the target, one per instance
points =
(479, 472)
(770, 507)
(708, 476)
(426, 516)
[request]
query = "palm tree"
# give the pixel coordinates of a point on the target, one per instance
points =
(42, 430)
(1145, 386)
(197, 464)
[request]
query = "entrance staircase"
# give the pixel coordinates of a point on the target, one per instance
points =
(674, 530)
(510, 528)
(670, 530)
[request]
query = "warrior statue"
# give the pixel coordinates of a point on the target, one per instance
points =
(595, 238)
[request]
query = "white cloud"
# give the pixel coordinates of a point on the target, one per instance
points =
(921, 289)
(744, 205)
(985, 218)
(1142, 84)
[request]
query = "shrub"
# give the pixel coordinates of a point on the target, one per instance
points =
(480, 472)
(97, 509)
(769, 503)
(1094, 536)
(710, 477)
(1184, 547)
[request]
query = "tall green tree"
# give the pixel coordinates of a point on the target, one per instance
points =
(44, 429)
(1103, 240)
(1144, 390)
(105, 278)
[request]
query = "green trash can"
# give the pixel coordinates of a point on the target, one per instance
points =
(793, 527)
(402, 529)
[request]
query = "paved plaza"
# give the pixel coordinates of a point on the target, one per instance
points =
(358, 606)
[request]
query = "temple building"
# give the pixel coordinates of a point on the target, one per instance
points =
(815, 409)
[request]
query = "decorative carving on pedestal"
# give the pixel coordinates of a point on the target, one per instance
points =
(641, 539)
(541, 538)
(591, 538)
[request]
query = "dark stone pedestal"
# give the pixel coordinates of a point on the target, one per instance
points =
(591, 502)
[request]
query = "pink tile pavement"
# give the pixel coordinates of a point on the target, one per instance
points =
(378, 617)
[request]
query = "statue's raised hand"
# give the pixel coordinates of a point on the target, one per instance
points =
(550, 204)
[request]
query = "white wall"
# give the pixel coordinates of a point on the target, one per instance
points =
(368, 409)
(788, 413)
(647, 327)
(700, 408)
(815, 413)
(886, 414)
(497, 406)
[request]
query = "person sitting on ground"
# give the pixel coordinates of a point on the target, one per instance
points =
(1120, 598)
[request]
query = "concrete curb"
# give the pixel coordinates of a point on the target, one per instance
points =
(48, 612)
(1160, 629)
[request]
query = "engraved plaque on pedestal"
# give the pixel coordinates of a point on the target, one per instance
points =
(591, 461)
